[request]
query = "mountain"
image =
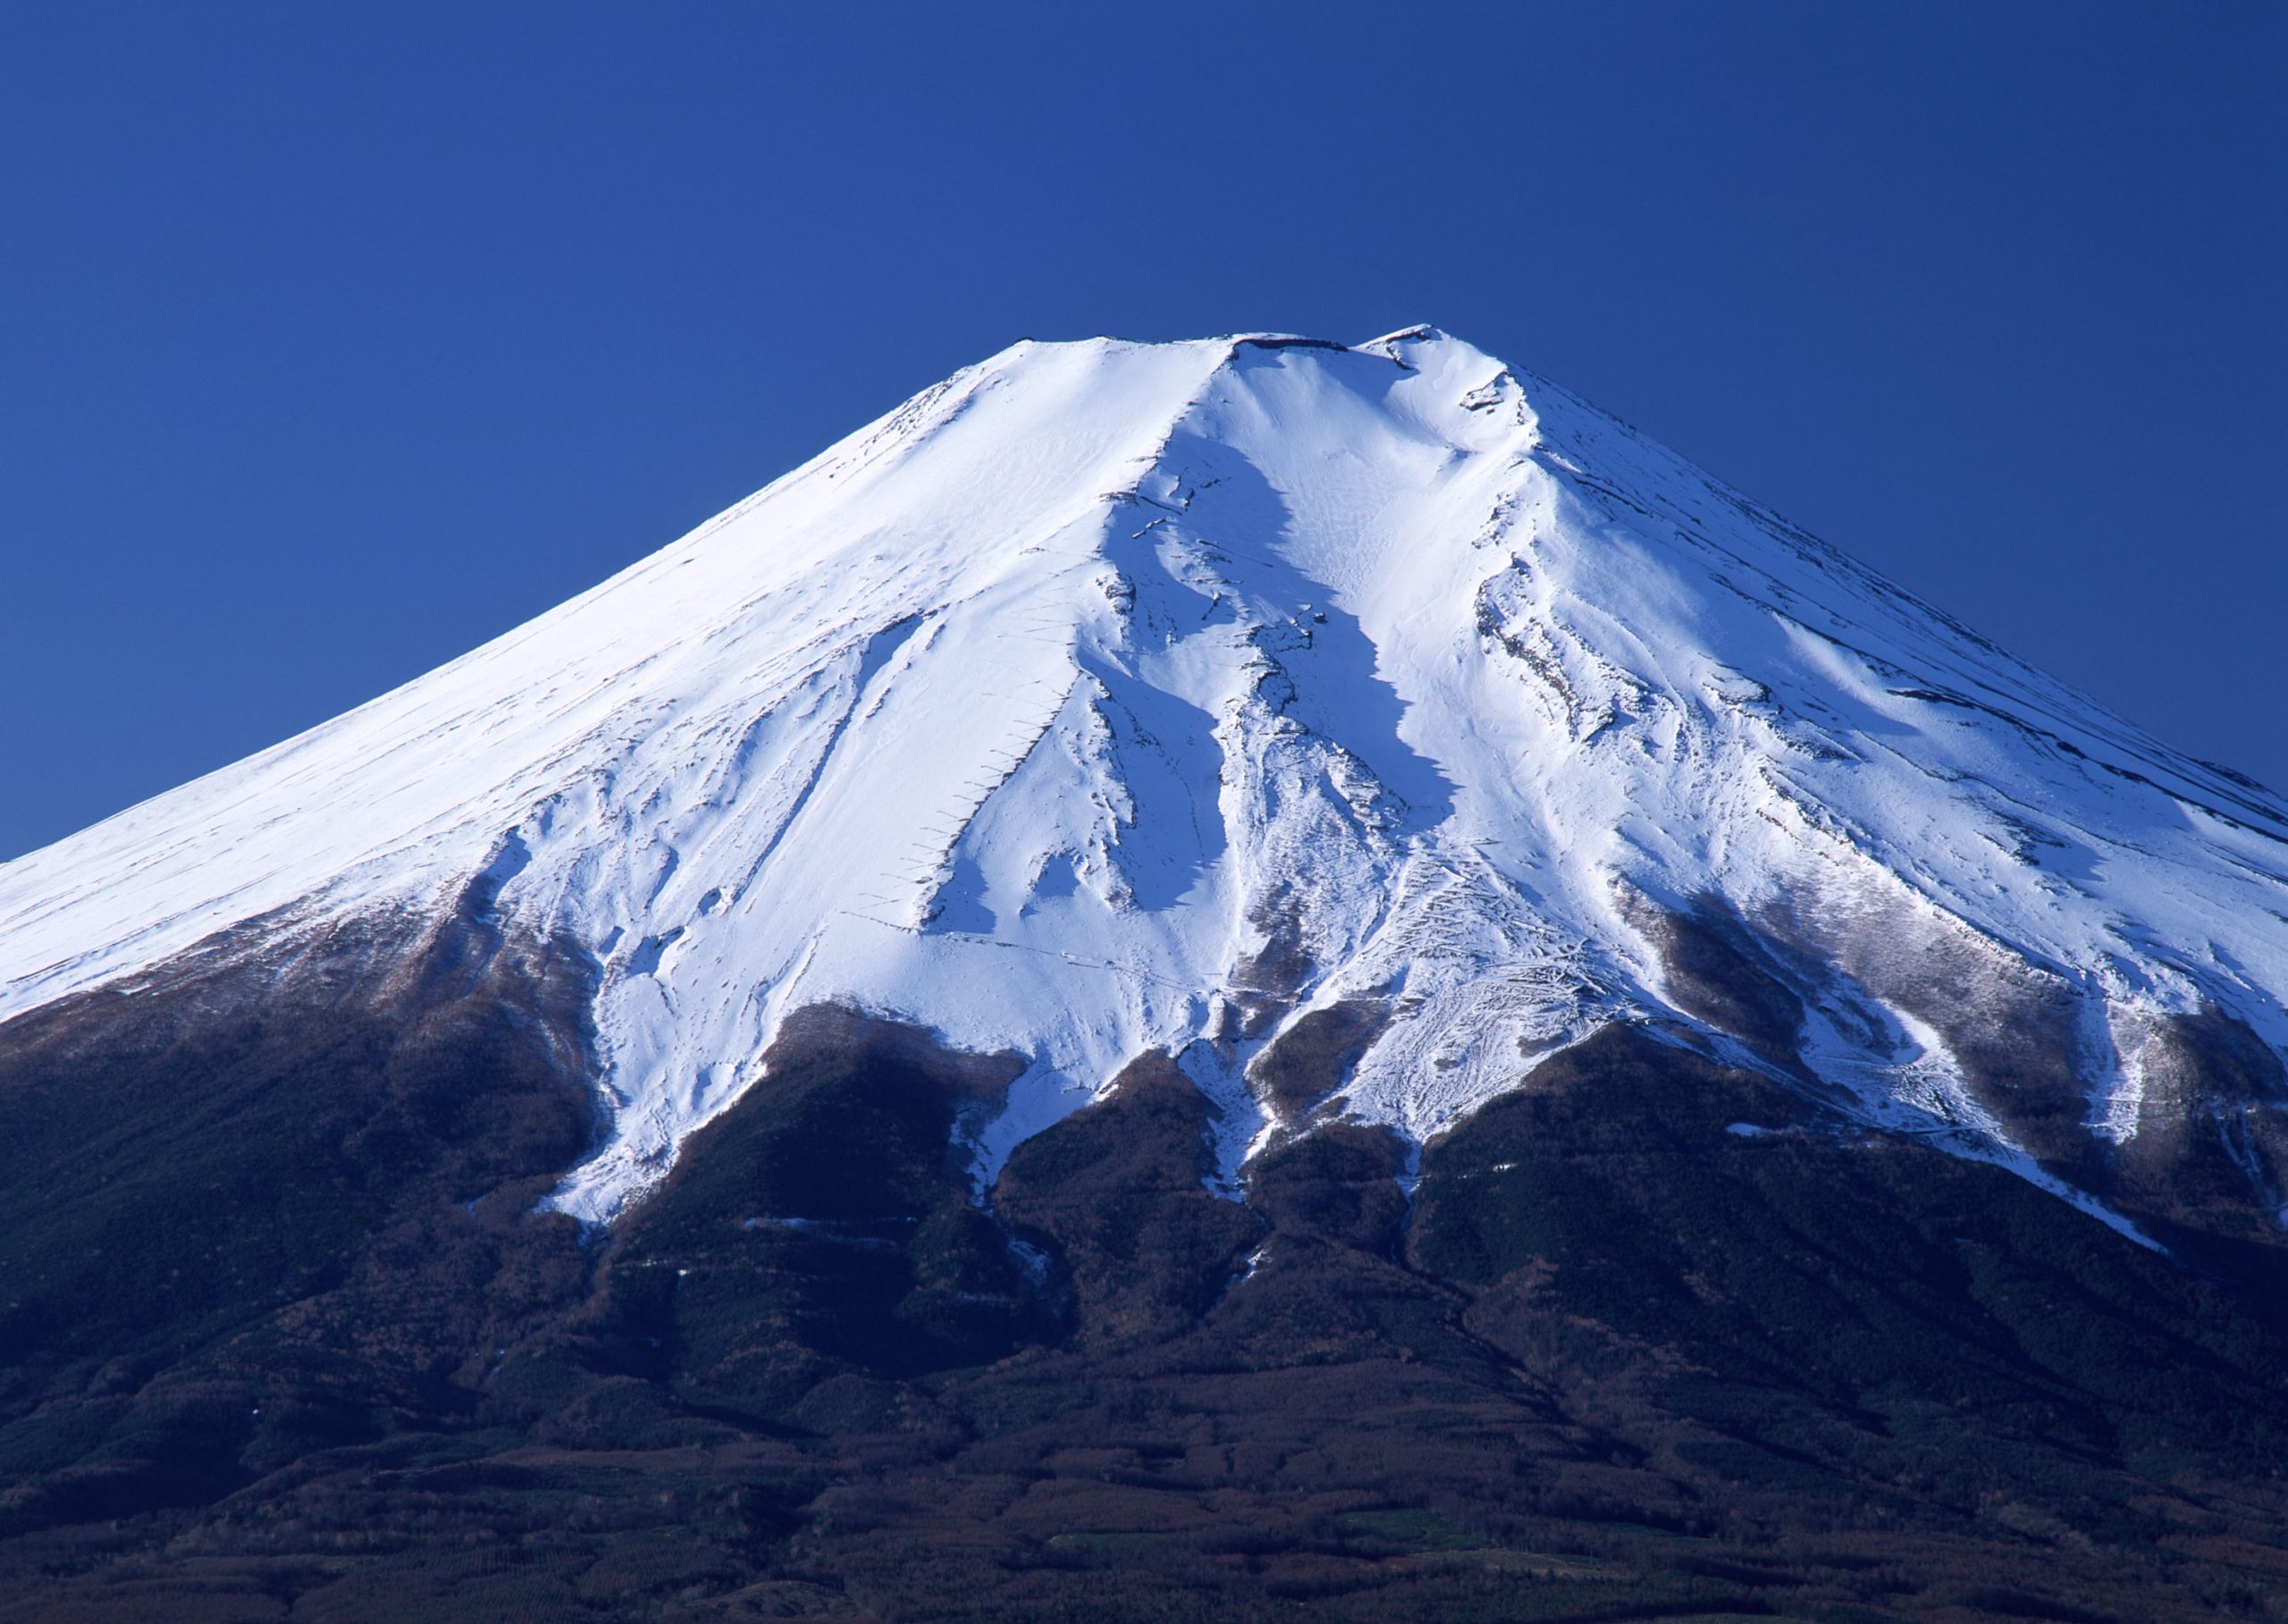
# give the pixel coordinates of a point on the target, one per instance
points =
(1115, 699)
(1314, 955)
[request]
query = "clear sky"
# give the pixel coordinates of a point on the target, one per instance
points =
(336, 338)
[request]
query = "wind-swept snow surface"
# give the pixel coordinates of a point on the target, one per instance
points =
(1111, 697)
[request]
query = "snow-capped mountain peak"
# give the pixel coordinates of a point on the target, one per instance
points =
(1215, 696)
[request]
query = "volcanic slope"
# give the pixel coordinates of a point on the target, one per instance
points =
(1356, 726)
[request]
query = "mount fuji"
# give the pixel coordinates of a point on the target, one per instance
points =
(1112, 699)
(1251, 940)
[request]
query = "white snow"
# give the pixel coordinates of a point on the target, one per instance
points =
(1106, 685)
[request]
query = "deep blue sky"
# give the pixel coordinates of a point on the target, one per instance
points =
(335, 340)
